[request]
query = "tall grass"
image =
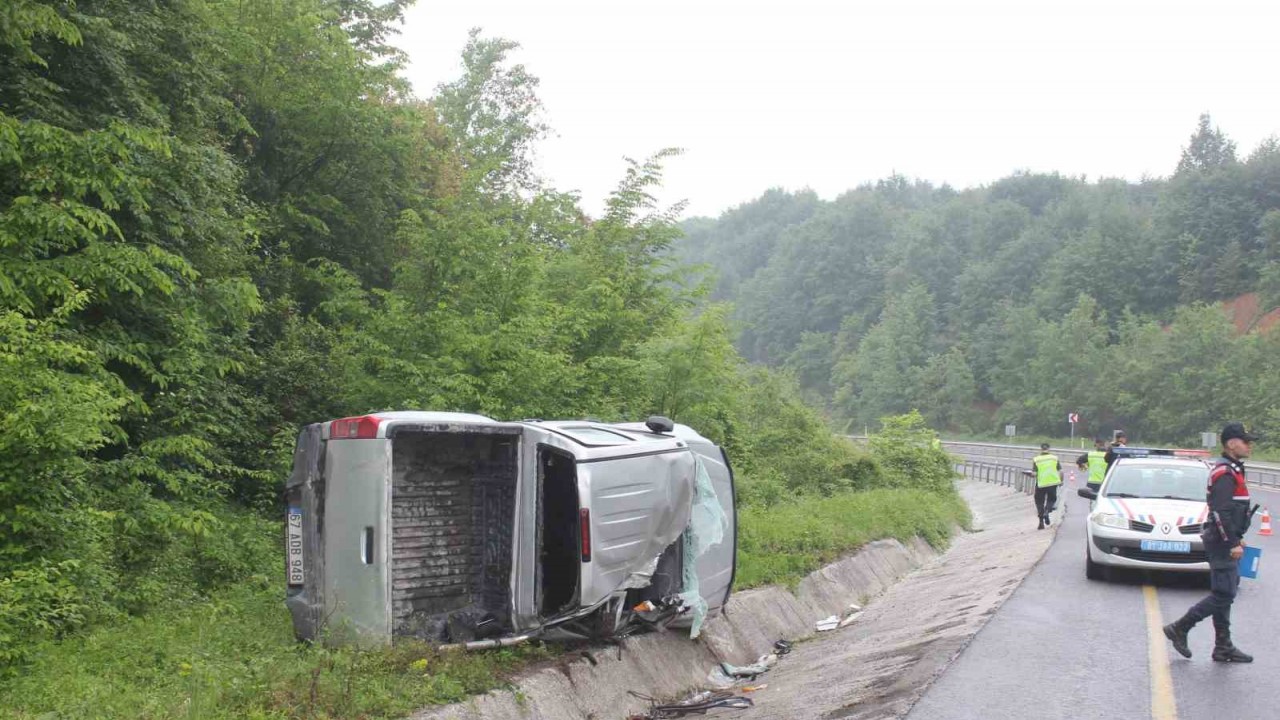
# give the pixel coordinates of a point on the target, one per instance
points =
(234, 656)
(783, 543)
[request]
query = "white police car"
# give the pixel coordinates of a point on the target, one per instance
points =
(1148, 513)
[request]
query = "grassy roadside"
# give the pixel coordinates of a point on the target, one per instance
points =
(234, 656)
(783, 543)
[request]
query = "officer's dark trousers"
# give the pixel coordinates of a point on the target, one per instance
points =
(1223, 584)
(1046, 500)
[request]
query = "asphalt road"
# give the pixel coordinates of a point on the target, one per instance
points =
(1066, 647)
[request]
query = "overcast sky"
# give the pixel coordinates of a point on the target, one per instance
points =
(828, 95)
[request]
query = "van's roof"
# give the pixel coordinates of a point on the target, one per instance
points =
(430, 417)
(600, 439)
(683, 432)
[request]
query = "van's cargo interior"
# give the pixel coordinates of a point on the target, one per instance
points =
(452, 518)
(559, 541)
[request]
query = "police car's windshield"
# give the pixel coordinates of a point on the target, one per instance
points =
(1132, 478)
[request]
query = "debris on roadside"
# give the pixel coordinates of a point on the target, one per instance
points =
(759, 667)
(718, 679)
(721, 680)
(696, 704)
(848, 619)
(837, 621)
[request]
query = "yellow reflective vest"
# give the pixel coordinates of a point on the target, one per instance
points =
(1097, 466)
(1046, 470)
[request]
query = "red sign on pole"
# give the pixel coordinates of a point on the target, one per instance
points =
(1073, 418)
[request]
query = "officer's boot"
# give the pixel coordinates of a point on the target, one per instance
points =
(1177, 634)
(1223, 650)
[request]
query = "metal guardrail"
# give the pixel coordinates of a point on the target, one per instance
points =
(1006, 475)
(1263, 475)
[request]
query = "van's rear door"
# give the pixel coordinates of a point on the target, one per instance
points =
(357, 537)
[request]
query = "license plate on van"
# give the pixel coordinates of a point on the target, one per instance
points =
(293, 547)
(1166, 546)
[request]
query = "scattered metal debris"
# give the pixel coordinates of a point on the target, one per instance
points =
(721, 680)
(696, 704)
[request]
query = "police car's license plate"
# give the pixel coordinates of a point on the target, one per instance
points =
(1166, 546)
(293, 547)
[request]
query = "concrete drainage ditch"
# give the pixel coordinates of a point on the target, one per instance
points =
(668, 665)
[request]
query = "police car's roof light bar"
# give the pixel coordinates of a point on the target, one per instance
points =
(1137, 452)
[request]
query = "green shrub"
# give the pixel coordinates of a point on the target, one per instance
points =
(905, 452)
(39, 601)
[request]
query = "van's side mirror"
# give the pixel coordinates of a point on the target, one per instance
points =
(1087, 493)
(659, 424)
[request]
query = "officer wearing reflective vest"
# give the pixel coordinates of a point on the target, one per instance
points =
(1095, 461)
(1223, 535)
(1048, 477)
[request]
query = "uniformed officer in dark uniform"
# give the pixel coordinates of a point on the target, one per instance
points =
(1121, 440)
(1223, 535)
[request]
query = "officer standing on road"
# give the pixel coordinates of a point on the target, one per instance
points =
(1048, 477)
(1223, 536)
(1120, 441)
(1095, 461)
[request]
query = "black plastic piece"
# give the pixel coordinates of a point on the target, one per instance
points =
(659, 424)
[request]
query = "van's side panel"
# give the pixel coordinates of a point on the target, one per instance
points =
(639, 505)
(357, 537)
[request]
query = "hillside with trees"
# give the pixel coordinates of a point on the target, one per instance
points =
(220, 221)
(223, 220)
(1020, 301)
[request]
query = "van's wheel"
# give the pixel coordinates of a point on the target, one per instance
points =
(1093, 570)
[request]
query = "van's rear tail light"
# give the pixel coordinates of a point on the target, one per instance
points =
(354, 428)
(584, 524)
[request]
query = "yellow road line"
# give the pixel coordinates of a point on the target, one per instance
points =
(1163, 705)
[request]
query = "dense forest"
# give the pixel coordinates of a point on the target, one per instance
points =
(1140, 305)
(221, 220)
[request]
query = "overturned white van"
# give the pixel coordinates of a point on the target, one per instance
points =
(459, 529)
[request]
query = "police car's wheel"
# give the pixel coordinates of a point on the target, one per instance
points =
(1093, 570)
